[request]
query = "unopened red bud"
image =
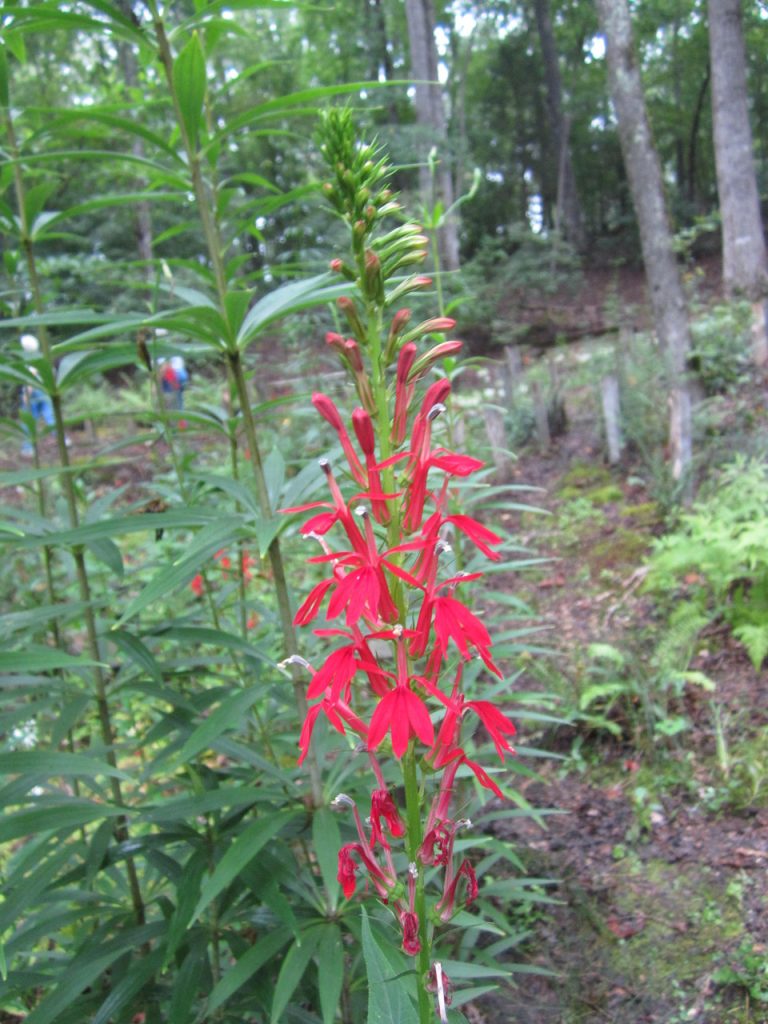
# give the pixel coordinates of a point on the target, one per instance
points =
(349, 309)
(373, 276)
(424, 362)
(327, 410)
(363, 426)
(437, 323)
(340, 267)
(352, 352)
(328, 188)
(399, 320)
(405, 361)
(335, 341)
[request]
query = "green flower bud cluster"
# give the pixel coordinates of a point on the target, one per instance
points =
(358, 190)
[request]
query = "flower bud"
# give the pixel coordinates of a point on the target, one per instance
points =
(429, 358)
(349, 309)
(363, 426)
(373, 276)
(327, 410)
(352, 352)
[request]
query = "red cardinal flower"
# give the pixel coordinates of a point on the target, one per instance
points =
(383, 806)
(403, 714)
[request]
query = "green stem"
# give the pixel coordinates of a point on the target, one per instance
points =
(413, 812)
(205, 204)
(67, 478)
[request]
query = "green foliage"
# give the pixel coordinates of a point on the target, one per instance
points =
(719, 355)
(717, 557)
(748, 970)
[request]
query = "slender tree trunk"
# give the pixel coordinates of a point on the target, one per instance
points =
(142, 214)
(570, 219)
(693, 141)
(430, 116)
(646, 184)
(745, 265)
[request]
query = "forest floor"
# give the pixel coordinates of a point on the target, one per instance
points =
(659, 861)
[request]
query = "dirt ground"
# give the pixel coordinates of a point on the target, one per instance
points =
(660, 891)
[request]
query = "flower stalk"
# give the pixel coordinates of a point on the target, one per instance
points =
(396, 683)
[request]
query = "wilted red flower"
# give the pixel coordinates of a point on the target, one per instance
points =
(410, 925)
(383, 806)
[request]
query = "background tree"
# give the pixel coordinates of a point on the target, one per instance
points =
(745, 265)
(644, 172)
(570, 220)
(430, 117)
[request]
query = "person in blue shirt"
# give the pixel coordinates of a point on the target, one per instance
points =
(33, 399)
(173, 380)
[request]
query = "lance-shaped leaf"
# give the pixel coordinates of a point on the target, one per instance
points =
(189, 86)
(289, 298)
(239, 854)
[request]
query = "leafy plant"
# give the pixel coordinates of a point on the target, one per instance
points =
(717, 558)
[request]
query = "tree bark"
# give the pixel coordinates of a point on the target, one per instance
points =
(745, 265)
(646, 185)
(142, 213)
(430, 117)
(570, 219)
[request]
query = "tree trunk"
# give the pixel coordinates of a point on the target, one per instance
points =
(570, 220)
(646, 184)
(745, 266)
(430, 117)
(142, 214)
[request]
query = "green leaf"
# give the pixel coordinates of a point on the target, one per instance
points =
(326, 840)
(138, 652)
(84, 969)
(330, 971)
(187, 896)
(4, 93)
(228, 715)
(40, 659)
(86, 532)
(189, 86)
(133, 981)
(289, 298)
(48, 816)
(186, 981)
(239, 854)
(54, 764)
(263, 951)
(292, 971)
(389, 994)
(107, 552)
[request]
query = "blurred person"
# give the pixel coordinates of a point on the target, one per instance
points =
(34, 400)
(173, 379)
